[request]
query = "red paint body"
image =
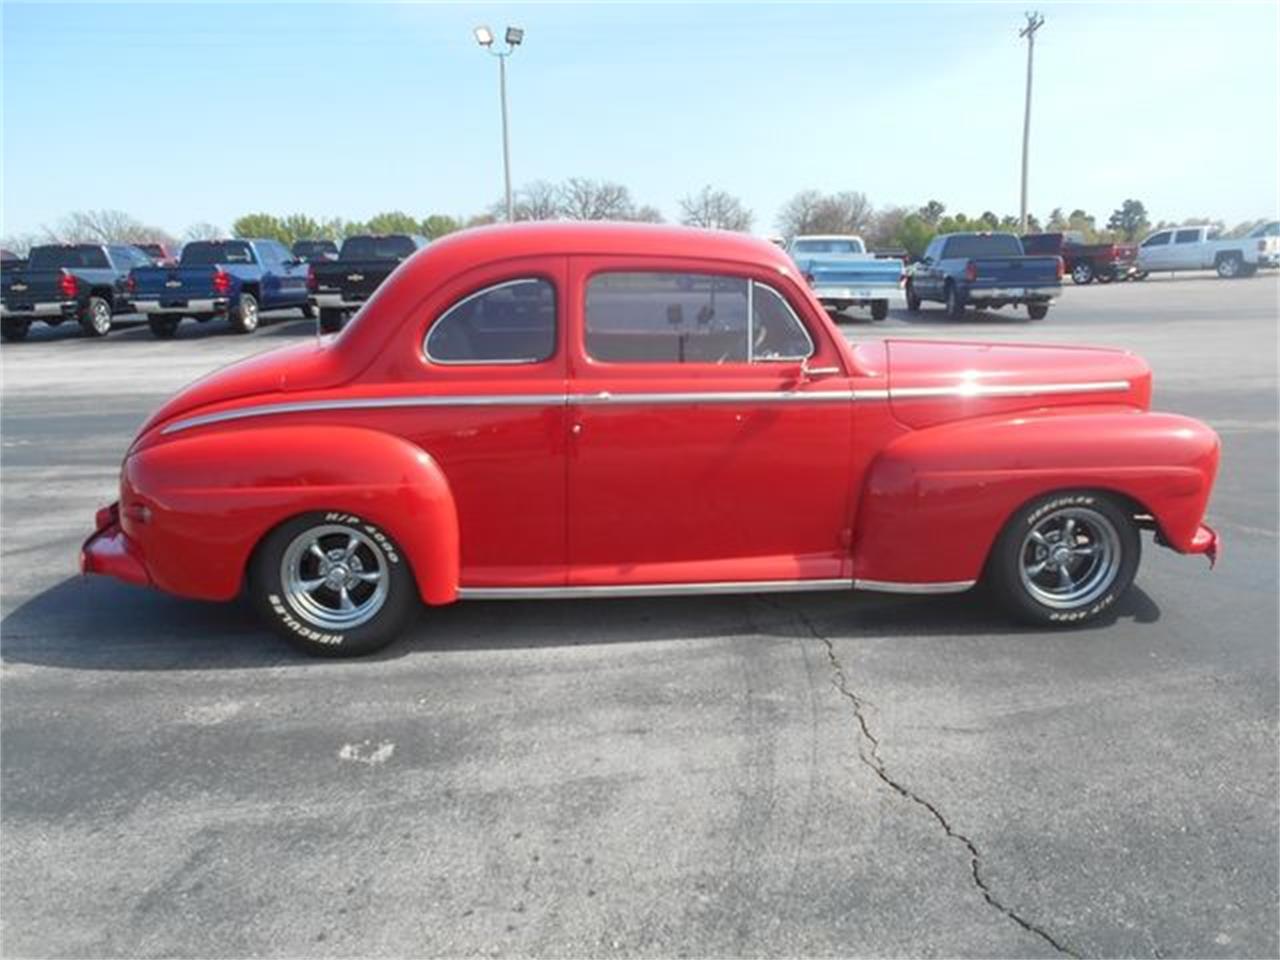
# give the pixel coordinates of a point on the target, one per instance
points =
(906, 477)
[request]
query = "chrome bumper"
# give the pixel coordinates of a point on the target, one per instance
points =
(192, 307)
(334, 301)
(58, 308)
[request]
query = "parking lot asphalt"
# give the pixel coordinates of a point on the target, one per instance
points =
(810, 774)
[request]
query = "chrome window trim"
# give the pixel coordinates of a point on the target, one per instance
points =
(751, 316)
(516, 361)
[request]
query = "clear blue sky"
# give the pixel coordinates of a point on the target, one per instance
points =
(180, 113)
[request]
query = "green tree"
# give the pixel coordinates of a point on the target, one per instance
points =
(1057, 220)
(1130, 219)
(254, 226)
(437, 225)
(299, 226)
(914, 234)
(393, 221)
(932, 212)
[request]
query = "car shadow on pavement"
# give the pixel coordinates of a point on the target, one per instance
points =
(90, 623)
(927, 317)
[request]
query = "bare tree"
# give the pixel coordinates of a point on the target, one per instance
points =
(645, 214)
(20, 243)
(811, 211)
(538, 200)
(203, 231)
(106, 226)
(584, 199)
(885, 227)
(714, 209)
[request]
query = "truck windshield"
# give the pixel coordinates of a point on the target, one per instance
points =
(839, 245)
(376, 248)
(56, 258)
(983, 245)
(205, 253)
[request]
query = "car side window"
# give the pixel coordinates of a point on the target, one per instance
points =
(776, 331)
(660, 317)
(509, 322)
(1186, 236)
(1157, 240)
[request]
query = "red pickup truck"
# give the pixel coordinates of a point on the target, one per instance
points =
(1085, 262)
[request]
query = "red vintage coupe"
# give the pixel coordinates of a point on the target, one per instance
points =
(575, 410)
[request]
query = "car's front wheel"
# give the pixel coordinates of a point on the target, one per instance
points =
(1065, 558)
(333, 584)
(1082, 273)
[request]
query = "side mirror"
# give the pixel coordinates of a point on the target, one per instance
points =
(816, 373)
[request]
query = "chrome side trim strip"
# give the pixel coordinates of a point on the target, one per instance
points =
(370, 403)
(650, 589)
(888, 586)
(1007, 389)
(713, 396)
(653, 399)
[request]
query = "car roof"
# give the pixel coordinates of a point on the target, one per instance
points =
(826, 236)
(604, 238)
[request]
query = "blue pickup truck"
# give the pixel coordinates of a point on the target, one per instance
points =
(67, 281)
(215, 278)
(843, 275)
(986, 271)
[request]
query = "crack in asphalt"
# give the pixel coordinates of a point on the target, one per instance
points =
(869, 754)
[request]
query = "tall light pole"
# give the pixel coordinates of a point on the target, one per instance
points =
(513, 37)
(1034, 22)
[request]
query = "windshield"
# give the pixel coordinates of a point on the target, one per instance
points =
(830, 245)
(55, 258)
(309, 248)
(1271, 229)
(982, 245)
(204, 253)
(377, 248)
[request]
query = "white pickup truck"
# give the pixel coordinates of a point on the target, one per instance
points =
(1200, 248)
(844, 275)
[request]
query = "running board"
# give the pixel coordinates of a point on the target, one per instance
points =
(700, 589)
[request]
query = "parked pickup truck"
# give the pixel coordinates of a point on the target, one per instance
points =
(309, 251)
(1085, 262)
(1200, 248)
(843, 274)
(340, 287)
(215, 278)
(987, 270)
(68, 281)
(1271, 232)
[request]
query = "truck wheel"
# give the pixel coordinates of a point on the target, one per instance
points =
(330, 320)
(1065, 558)
(913, 302)
(955, 305)
(12, 330)
(1082, 273)
(1037, 311)
(308, 310)
(244, 318)
(163, 328)
(96, 319)
(1106, 276)
(1229, 265)
(879, 309)
(333, 585)
(1141, 274)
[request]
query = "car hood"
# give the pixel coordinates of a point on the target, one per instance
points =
(934, 382)
(306, 366)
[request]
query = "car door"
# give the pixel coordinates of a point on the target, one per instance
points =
(272, 271)
(699, 451)
(925, 278)
(1186, 252)
(1155, 252)
(293, 277)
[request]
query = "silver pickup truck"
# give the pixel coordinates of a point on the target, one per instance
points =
(1200, 248)
(844, 275)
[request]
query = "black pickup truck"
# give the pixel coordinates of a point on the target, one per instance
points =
(339, 287)
(68, 281)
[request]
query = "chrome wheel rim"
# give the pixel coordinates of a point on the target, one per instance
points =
(1070, 558)
(1081, 274)
(335, 577)
(249, 310)
(101, 317)
(1228, 267)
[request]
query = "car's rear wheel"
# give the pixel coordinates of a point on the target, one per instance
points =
(913, 302)
(244, 317)
(331, 320)
(333, 584)
(15, 329)
(1082, 273)
(308, 310)
(1065, 558)
(955, 303)
(1106, 276)
(164, 328)
(1037, 311)
(96, 319)
(879, 309)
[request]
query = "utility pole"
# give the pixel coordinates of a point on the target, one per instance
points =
(1034, 22)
